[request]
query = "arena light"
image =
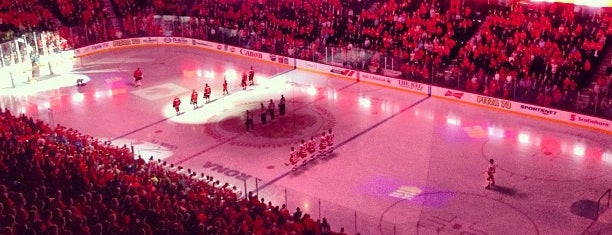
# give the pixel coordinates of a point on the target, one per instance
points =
(453, 121)
(607, 157)
(207, 74)
(311, 90)
(523, 138)
(364, 102)
(579, 150)
(78, 97)
(230, 74)
(496, 132)
(98, 94)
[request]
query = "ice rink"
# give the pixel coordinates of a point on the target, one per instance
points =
(404, 163)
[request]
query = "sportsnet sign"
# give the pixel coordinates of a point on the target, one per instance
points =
(540, 110)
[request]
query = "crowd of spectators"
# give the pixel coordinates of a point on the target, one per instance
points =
(542, 53)
(536, 53)
(55, 180)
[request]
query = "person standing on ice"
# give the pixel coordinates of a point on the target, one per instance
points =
(490, 174)
(207, 93)
(225, 86)
(137, 77)
(176, 104)
(194, 99)
(281, 106)
(251, 76)
(244, 81)
(263, 113)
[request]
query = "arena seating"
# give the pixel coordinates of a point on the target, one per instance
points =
(545, 55)
(55, 180)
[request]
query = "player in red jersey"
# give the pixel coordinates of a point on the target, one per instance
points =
(138, 77)
(294, 159)
(323, 145)
(312, 148)
(207, 92)
(194, 99)
(225, 86)
(330, 141)
(176, 104)
(244, 81)
(490, 174)
(251, 76)
(303, 148)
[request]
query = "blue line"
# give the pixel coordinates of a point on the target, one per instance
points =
(349, 139)
(140, 129)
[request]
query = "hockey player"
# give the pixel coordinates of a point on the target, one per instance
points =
(312, 148)
(194, 99)
(225, 86)
(293, 159)
(176, 104)
(303, 148)
(137, 77)
(207, 92)
(251, 76)
(330, 141)
(490, 174)
(244, 81)
(323, 145)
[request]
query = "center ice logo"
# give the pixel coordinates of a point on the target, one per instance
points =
(301, 123)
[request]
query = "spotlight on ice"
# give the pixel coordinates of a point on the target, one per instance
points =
(209, 74)
(311, 90)
(523, 138)
(453, 121)
(230, 74)
(364, 102)
(496, 132)
(607, 157)
(579, 150)
(78, 97)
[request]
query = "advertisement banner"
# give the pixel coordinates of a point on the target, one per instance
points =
(412, 86)
(202, 43)
(149, 41)
(176, 40)
(126, 42)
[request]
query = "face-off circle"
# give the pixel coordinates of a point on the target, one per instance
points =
(301, 121)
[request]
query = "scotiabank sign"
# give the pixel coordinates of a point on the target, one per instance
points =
(250, 53)
(540, 110)
(589, 120)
